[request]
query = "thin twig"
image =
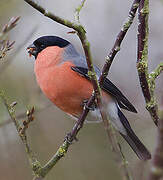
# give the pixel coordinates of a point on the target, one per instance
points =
(78, 9)
(7, 27)
(22, 115)
(5, 45)
(30, 115)
(52, 16)
(20, 46)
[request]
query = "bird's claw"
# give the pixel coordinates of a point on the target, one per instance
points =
(91, 108)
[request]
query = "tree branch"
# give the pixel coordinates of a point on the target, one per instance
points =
(146, 82)
(22, 115)
(7, 27)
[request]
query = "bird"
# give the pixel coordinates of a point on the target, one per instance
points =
(62, 74)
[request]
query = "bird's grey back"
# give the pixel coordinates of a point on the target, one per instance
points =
(70, 53)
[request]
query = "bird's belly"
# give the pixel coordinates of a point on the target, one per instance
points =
(64, 87)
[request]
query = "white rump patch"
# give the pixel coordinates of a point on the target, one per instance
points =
(114, 118)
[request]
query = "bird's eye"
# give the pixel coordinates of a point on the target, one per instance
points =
(42, 46)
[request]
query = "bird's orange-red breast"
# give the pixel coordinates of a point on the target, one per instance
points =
(64, 87)
(51, 75)
(62, 75)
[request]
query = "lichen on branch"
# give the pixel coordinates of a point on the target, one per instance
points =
(146, 82)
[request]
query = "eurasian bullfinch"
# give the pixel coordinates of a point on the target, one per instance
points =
(62, 75)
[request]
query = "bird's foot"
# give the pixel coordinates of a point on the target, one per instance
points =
(91, 108)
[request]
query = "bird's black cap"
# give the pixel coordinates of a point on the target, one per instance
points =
(46, 41)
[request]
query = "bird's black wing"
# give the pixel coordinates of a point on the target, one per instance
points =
(131, 138)
(110, 88)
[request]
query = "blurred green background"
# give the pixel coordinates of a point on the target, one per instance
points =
(91, 157)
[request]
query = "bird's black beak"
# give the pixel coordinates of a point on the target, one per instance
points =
(32, 50)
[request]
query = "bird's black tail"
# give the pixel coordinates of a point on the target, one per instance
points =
(134, 142)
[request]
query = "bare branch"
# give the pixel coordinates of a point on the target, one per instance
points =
(22, 115)
(10, 25)
(5, 45)
(147, 85)
(19, 47)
